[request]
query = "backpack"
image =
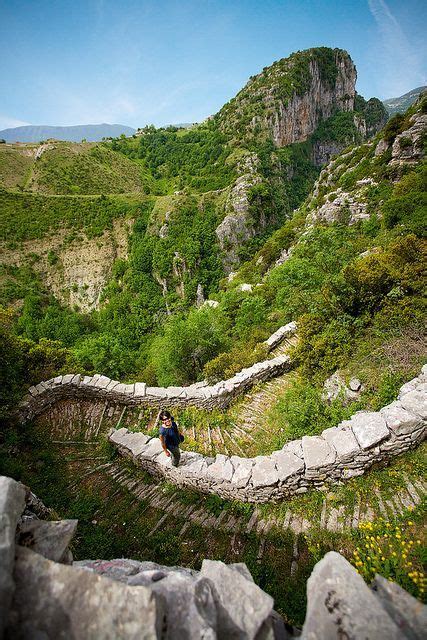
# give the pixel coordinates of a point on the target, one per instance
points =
(175, 427)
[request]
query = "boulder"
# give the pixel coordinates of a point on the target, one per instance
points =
(56, 602)
(12, 504)
(341, 605)
(409, 614)
(343, 441)
(416, 401)
(287, 464)
(242, 607)
(190, 606)
(48, 538)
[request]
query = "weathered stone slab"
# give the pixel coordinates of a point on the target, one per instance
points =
(134, 442)
(151, 450)
(242, 470)
(103, 382)
(317, 453)
(409, 614)
(399, 420)
(48, 538)
(221, 470)
(369, 427)
(242, 607)
(12, 504)
(295, 447)
(342, 439)
(341, 605)
(55, 601)
(264, 472)
(416, 401)
(287, 464)
(140, 389)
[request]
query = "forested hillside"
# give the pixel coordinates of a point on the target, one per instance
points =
(180, 210)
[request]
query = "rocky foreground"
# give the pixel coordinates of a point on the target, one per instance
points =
(45, 595)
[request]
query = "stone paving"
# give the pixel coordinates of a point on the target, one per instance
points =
(333, 518)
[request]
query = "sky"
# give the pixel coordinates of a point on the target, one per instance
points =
(139, 62)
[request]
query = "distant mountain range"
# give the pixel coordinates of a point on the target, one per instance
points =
(399, 105)
(89, 132)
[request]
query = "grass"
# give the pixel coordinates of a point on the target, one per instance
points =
(27, 217)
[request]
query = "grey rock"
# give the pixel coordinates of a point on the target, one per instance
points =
(134, 442)
(12, 504)
(48, 538)
(190, 606)
(119, 569)
(416, 401)
(221, 470)
(399, 420)
(343, 441)
(354, 384)
(340, 605)
(264, 472)
(409, 614)
(57, 602)
(242, 470)
(369, 427)
(287, 464)
(242, 607)
(317, 452)
(151, 450)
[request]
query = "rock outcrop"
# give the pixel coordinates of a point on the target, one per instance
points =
(129, 600)
(292, 96)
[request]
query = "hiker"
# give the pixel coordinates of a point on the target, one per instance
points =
(170, 437)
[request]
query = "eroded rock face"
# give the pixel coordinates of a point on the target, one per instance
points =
(296, 120)
(408, 147)
(237, 227)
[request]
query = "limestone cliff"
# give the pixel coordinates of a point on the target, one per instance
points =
(287, 100)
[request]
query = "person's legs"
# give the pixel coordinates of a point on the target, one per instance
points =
(175, 455)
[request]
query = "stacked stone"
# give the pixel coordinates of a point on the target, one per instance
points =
(202, 395)
(46, 595)
(276, 338)
(339, 453)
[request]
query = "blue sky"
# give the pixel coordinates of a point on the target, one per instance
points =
(139, 62)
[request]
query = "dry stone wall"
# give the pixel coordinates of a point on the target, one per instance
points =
(339, 453)
(201, 394)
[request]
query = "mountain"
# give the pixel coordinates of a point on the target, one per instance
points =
(76, 133)
(139, 229)
(401, 104)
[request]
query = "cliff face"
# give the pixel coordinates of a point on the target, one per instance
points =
(287, 101)
(298, 119)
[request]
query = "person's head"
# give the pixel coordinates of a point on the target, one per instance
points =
(165, 418)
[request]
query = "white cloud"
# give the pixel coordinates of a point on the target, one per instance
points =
(400, 62)
(9, 123)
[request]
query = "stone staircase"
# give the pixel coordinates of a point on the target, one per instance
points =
(331, 517)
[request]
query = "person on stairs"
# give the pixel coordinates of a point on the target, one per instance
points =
(170, 437)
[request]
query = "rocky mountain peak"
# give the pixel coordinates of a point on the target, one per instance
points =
(287, 100)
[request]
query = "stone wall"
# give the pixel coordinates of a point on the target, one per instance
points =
(339, 453)
(201, 394)
(47, 595)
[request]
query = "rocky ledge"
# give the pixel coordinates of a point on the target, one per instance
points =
(44, 594)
